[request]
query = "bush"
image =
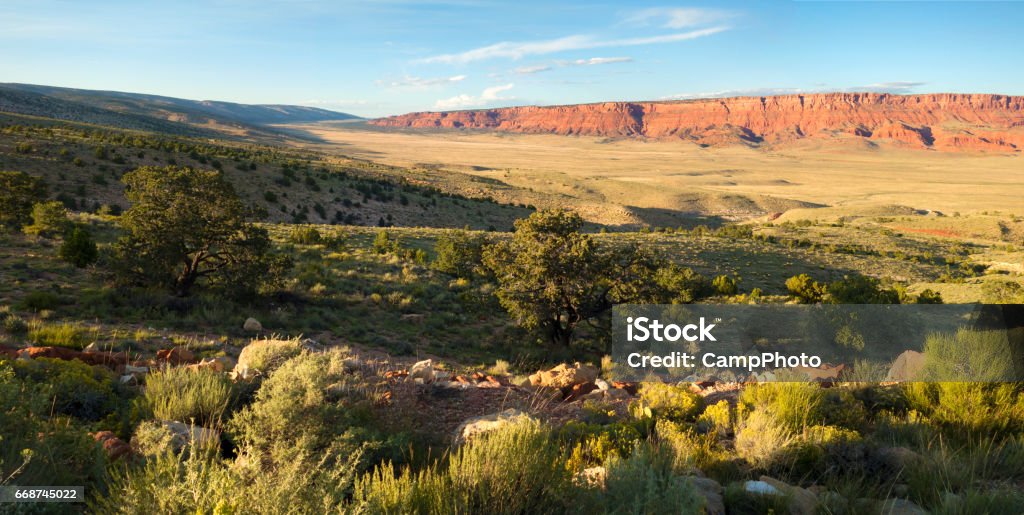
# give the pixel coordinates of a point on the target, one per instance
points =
(189, 396)
(670, 401)
(264, 356)
(861, 290)
(806, 289)
(762, 439)
(15, 325)
(963, 410)
(688, 450)
(49, 219)
(39, 448)
(305, 236)
(724, 285)
(459, 254)
(18, 193)
(384, 244)
(74, 388)
(41, 300)
(644, 483)
(312, 405)
(972, 355)
(516, 469)
(79, 249)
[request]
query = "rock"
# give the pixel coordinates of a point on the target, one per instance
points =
(602, 384)
(207, 364)
(252, 325)
(906, 367)
(580, 390)
(187, 433)
(627, 386)
(760, 488)
(132, 369)
(565, 376)
(824, 373)
(176, 356)
(413, 317)
(711, 491)
(422, 371)
(113, 446)
(902, 507)
(919, 121)
(486, 423)
(92, 347)
(801, 500)
(63, 353)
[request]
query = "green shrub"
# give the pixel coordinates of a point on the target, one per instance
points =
(49, 219)
(670, 401)
(717, 419)
(184, 395)
(644, 483)
(762, 440)
(79, 249)
(41, 300)
(305, 236)
(724, 285)
(516, 469)
(18, 193)
(594, 444)
(266, 355)
(963, 410)
(312, 405)
(806, 289)
(15, 325)
(798, 405)
(689, 451)
(74, 388)
(972, 355)
(37, 447)
(459, 254)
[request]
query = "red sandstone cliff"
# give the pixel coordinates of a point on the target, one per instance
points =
(939, 121)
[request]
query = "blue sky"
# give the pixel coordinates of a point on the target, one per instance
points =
(396, 56)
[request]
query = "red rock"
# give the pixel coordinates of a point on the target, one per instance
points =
(629, 387)
(176, 356)
(996, 121)
(52, 352)
(112, 445)
(579, 390)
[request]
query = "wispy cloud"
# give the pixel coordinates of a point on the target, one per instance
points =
(593, 61)
(518, 50)
(418, 82)
(677, 17)
(487, 97)
(896, 87)
(530, 70)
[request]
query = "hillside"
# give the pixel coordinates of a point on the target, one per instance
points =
(154, 113)
(946, 122)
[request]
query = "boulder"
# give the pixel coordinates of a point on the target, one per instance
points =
(601, 384)
(478, 425)
(801, 500)
(711, 491)
(906, 367)
(113, 446)
(760, 488)
(188, 433)
(252, 325)
(176, 356)
(564, 376)
(579, 390)
(422, 371)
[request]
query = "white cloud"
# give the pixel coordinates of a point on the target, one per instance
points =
(601, 60)
(486, 97)
(897, 87)
(677, 17)
(529, 70)
(419, 83)
(518, 50)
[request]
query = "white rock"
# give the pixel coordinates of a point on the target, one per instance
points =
(131, 369)
(252, 325)
(479, 425)
(423, 371)
(760, 487)
(602, 384)
(92, 347)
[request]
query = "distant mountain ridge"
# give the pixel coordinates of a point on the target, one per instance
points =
(934, 121)
(153, 112)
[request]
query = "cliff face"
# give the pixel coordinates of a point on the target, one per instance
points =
(939, 121)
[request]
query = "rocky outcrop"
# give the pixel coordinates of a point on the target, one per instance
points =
(937, 121)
